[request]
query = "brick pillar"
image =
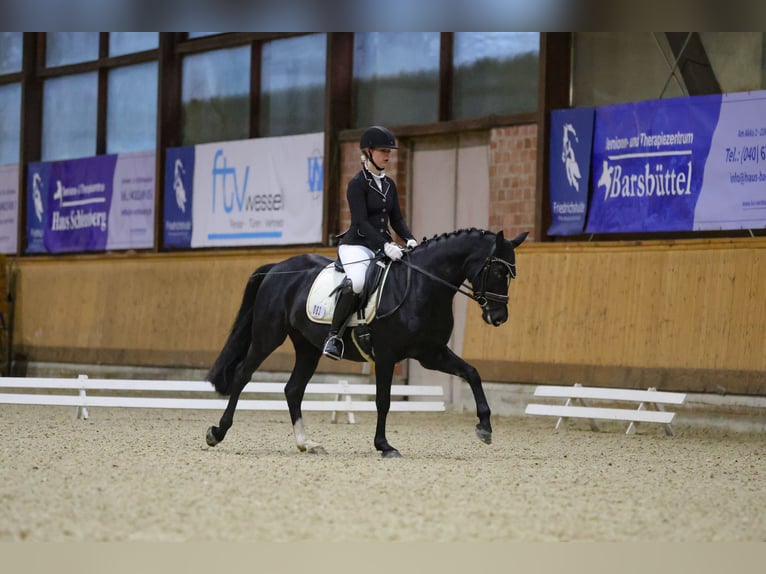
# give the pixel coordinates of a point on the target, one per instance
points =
(512, 179)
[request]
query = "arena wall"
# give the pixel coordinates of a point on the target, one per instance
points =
(676, 315)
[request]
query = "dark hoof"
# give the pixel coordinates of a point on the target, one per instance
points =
(393, 453)
(484, 435)
(210, 438)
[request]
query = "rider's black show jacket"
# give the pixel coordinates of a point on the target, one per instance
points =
(371, 211)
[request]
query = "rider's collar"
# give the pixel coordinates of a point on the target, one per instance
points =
(379, 176)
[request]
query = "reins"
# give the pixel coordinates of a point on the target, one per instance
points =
(458, 289)
(484, 296)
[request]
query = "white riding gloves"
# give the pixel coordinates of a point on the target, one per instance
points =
(411, 243)
(393, 251)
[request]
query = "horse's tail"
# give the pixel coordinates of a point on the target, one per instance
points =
(221, 374)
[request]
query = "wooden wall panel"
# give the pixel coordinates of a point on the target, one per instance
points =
(696, 305)
(150, 309)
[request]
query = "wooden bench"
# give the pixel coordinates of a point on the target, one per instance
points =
(332, 397)
(650, 405)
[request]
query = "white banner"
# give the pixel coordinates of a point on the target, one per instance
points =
(9, 208)
(131, 213)
(265, 191)
(733, 194)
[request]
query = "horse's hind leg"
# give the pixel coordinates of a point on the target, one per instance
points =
(217, 434)
(445, 361)
(306, 360)
(242, 376)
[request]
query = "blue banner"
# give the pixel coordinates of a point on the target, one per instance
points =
(648, 164)
(570, 153)
(179, 181)
(91, 204)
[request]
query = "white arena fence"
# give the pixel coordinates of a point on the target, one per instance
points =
(330, 397)
(651, 405)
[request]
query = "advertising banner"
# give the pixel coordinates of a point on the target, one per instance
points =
(265, 191)
(648, 164)
(91, 204)
(9, 208)
(569, 173)
(733, 192)
(131, 217)
(178, 196)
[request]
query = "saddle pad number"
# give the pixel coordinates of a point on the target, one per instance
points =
(318, 311)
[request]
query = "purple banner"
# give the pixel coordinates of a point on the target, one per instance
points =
(91, 204)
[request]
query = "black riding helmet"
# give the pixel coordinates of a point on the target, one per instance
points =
(377, 136)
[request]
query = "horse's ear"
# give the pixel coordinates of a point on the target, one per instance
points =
(519, 239)
(499, 238)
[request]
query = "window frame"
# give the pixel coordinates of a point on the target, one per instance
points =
(102, 66)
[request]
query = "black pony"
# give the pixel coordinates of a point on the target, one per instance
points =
(414, 321)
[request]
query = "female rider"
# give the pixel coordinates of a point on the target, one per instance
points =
(373, 203)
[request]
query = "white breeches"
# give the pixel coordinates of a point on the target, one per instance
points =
(356, 259)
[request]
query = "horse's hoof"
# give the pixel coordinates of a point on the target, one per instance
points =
(484, 435)
(318, 449)
(393, 453)
(210, 438)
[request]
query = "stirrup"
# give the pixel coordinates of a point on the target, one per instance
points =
(331, 348)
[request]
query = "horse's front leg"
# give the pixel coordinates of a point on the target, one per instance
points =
(445, 361)
(384, 372)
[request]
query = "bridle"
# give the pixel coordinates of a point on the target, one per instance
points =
(482, 296)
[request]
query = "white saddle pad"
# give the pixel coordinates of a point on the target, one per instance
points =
(320, 305)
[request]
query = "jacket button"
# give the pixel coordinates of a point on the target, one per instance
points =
(382, 219)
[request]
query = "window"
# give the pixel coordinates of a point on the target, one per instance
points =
(11, 44)
(292, 85)
(132, 109)
(10, 123)
(617, 67)
(62, 48)
(215, 96)
(495, 73)
(738, 59)
(121, 43)
(69, 117)
(396, 78)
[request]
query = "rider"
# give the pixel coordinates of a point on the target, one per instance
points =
(373, 202)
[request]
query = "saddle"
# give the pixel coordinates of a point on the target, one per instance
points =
(320, 304)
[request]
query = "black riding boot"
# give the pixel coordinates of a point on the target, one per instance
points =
(346, 304)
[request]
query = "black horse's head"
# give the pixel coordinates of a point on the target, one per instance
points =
(491, 282)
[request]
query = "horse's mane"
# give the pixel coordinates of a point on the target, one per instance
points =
(449, 234)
